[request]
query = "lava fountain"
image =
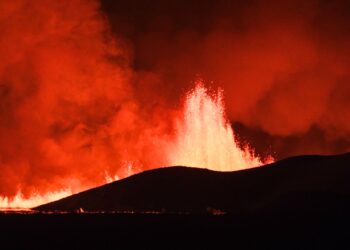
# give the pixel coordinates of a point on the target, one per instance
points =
(205, 138)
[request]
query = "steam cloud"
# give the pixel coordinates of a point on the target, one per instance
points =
(79, 98)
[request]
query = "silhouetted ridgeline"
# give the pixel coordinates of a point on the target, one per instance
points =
(303, 184)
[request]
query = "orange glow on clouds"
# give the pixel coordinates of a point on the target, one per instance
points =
(77, 110)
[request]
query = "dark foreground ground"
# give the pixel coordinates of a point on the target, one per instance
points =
(298, 203)
(150, 231)
(298, 185)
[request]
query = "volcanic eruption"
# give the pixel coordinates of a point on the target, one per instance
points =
(175, 124)
(91, 93)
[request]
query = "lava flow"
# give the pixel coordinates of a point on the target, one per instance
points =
(20, 202)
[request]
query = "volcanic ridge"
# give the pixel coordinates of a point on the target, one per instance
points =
(303, 184)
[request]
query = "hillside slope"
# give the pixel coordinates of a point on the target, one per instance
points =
(304, 183)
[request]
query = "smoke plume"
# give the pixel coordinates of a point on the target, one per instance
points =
(67, 111)
(283, 65)
(89, 87)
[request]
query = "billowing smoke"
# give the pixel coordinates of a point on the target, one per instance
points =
(68, 116)
(283, 65)
(89, 87)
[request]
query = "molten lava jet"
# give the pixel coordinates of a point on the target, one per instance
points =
(204, 138)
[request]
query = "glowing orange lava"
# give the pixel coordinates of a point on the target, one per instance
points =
(20, 202)
(205, 139)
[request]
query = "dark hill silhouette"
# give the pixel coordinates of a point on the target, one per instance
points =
(304, 183)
